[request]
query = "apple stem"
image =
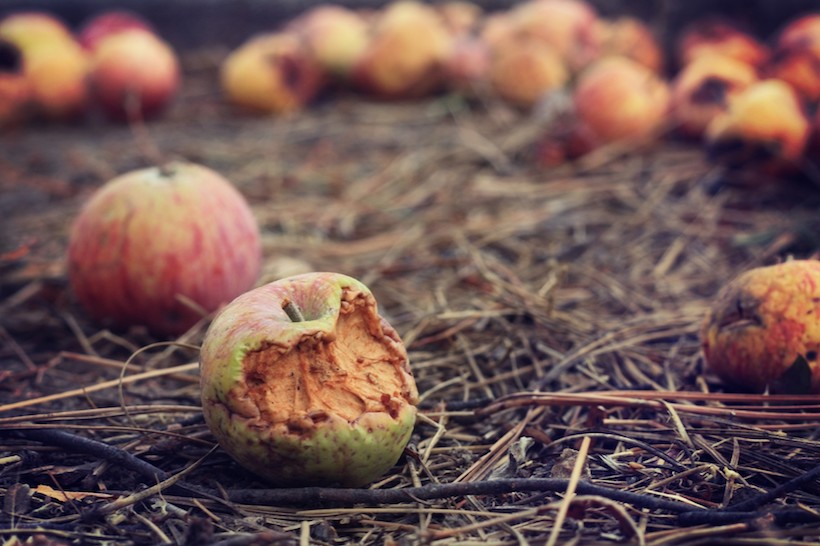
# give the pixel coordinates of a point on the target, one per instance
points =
(292, 311)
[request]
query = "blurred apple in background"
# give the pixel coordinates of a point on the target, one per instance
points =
(716, 36)
(796, 58)
(405, 56)
(134, 74)
(703, 89)
(568, 26)
(161, 247)
(27, 28)
(631, 38)
(335, 36)
(54, 64)
(523, 71)
(618, 99)
(764, 129)
(108, 23)
(272, 73)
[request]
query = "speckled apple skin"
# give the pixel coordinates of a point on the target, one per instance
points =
(283, 445)
(762, 321)
(145, 238)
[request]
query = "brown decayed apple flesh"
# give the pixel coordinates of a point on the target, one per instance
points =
(348, 374)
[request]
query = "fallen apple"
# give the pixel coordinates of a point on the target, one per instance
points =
(796, 57)
(303, 382)
(161, 247)
(765, 129)
(467, 65)
(28, 28)
(703, 89)
(335, 36)
(57, 74)
(523, 71)
(618, 99)
(764, 324)
(462, 18)
(568, 26)
(108, 23)
(719, 36)
(272, 73)
(632, 38)
(134, 74)
(406, 53)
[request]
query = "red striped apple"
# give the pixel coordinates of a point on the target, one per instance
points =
(303, 382)
(160, 247)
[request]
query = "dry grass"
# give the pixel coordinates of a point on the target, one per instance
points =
(551, 319)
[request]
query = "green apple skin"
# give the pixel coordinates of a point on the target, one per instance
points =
(326, 401)
(148, 239)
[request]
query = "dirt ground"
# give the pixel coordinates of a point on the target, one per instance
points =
(551, 316)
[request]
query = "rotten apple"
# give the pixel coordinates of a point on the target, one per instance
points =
(303, 382)
(272, 73)
(765, 128)
(762, 331)
(162, 247)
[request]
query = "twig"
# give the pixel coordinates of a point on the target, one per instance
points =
(323, 496)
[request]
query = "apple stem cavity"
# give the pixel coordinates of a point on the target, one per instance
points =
(292, 311)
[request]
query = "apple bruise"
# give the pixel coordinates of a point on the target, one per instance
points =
(361, 368)
(762, 323)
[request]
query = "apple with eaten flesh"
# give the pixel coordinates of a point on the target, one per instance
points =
(703, 89)
(108, 23)
(762, 330)
(134, 74)
(272, 73)
(14, 87)
(303, 382)
(162, 247)
(765, 129)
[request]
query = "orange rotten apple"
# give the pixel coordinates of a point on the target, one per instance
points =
(764, 324)
(150, 242)
(303, 382)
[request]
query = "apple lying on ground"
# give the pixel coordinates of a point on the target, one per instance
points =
(522, 71)
(764, 324)
(718, 36)
(796, 58)
(405, 56)
(335, 36)
(134, 74)
(632, 38)
(618, 99)
(27, 28)
(161, 247)
(272, 73)
(765, 129)
(568, 26)
(703, 89)
(303, 382)
(57, 74)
